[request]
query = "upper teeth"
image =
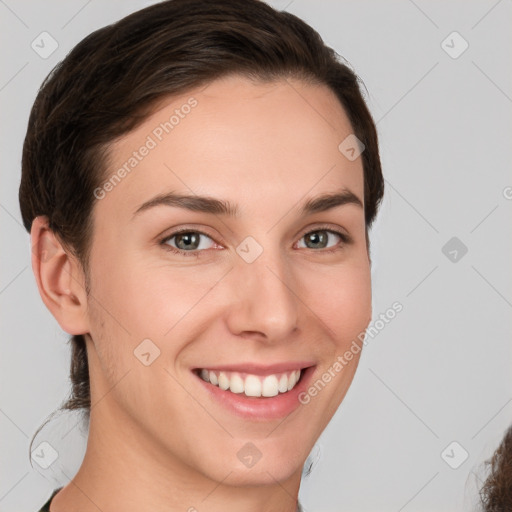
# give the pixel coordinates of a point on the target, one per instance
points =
(252, 385)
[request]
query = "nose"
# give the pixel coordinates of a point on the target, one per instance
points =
(265, 305)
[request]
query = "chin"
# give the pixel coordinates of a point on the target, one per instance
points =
(262, 474)
(265, 469)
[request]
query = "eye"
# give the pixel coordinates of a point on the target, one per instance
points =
(188, 242)
(319, 239)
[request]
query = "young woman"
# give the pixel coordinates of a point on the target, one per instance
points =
(199, 180)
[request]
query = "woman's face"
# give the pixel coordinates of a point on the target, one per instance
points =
(267, 291)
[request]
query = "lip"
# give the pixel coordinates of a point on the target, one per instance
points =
(259, 408)
(258, 369)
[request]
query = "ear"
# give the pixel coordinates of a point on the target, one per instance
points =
(60, 279)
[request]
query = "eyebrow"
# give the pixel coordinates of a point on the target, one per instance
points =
(215, 206)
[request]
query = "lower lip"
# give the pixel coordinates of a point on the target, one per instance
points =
(263, 408)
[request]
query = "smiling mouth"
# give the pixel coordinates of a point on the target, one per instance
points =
(249, 384)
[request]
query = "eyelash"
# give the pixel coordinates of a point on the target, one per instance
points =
(345, 240)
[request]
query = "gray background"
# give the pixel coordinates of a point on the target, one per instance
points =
(440, 371)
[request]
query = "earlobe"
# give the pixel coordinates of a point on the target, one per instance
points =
(59, 278)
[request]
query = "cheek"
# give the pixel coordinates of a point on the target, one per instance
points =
(137, 297)
(157, 303)
(122, 314)
(342, 299)
(161, 300)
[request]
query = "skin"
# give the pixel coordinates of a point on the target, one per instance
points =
(156, 441)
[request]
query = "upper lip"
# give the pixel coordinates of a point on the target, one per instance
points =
(259, 369)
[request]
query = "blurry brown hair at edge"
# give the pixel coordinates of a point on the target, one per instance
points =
(496, 493)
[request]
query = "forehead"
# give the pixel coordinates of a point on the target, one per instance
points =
(259, 144)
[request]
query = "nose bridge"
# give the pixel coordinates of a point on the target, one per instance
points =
(267, 302)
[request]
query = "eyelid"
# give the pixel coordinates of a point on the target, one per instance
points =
(188, 229)
(326, 227)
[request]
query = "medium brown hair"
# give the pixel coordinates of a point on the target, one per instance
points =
(496, 493)
(110, 82)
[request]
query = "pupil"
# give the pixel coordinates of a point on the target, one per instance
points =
(189, 236)
(319, 238)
